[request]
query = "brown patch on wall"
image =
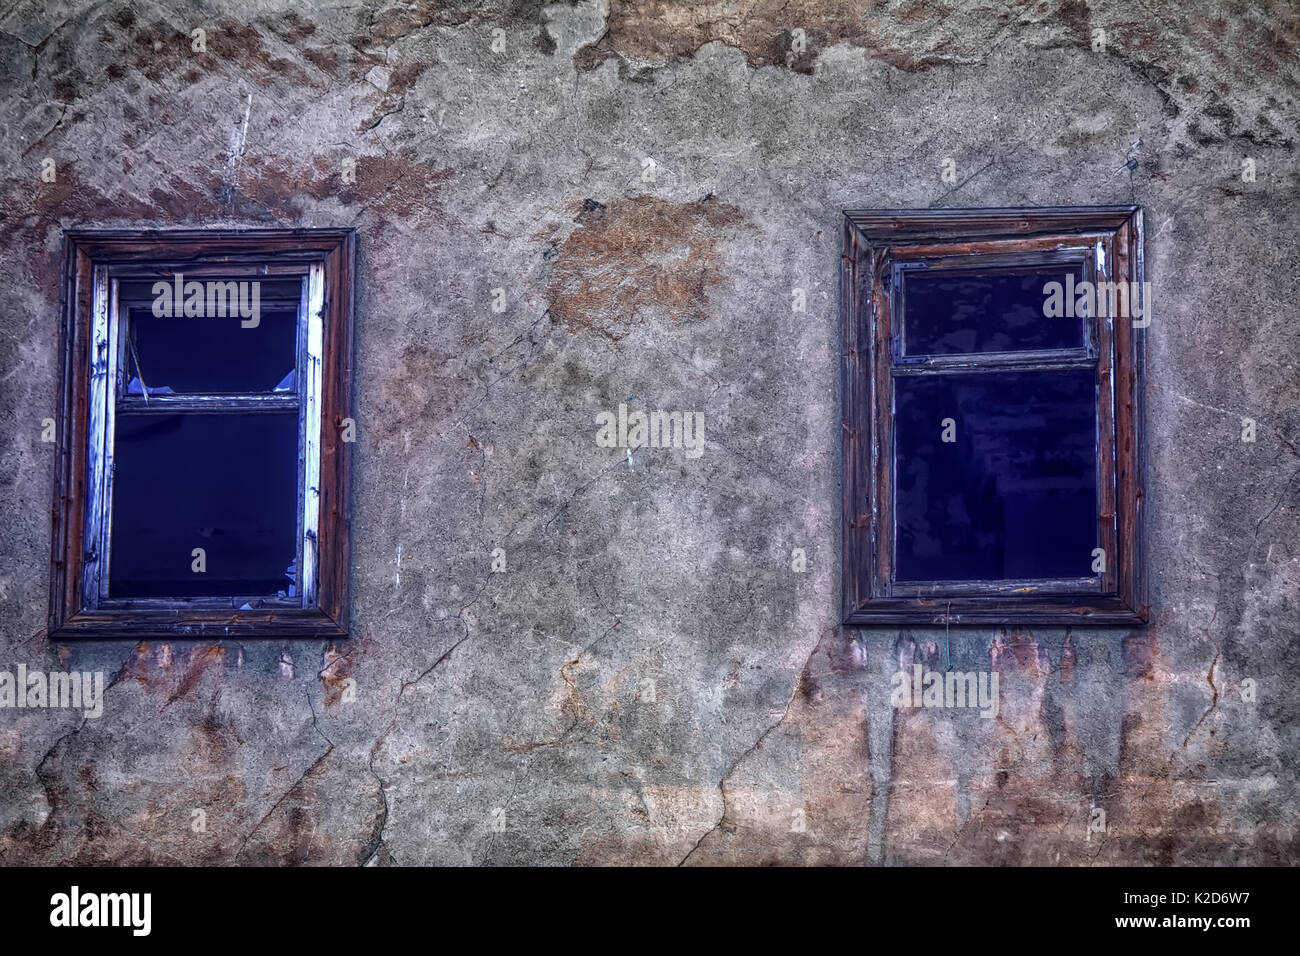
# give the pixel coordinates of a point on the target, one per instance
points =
(399, 20)
(914, 35)
(1212, 55)
(170, 672)
(335, 674)
(422, 387)
(634, 259)
(659, 31)
(394, 186)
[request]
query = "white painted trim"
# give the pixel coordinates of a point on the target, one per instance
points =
(312, 372)
(99, 389)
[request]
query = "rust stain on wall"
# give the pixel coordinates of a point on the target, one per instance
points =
(636, 259)
(155, 667)
(1193, 74)
(912, 36)
(335, 673)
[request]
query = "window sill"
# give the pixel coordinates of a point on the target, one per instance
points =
(190, 622)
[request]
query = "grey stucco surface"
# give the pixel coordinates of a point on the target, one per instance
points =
(649, 681)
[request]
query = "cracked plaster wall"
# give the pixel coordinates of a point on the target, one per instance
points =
(527, 692)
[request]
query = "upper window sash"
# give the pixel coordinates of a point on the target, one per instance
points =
(1052, 265)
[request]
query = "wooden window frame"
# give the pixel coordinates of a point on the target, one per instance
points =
(1108, 240)
(93, 262)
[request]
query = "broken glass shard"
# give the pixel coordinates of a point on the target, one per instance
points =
(134, 387)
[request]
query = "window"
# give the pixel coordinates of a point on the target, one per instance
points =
(202, 484)
(992, 388)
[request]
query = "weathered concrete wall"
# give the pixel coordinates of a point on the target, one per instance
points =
(528, 691)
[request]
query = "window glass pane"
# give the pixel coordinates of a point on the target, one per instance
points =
(252, 347)
(1014, 495)
(226, 483)
(950, 312)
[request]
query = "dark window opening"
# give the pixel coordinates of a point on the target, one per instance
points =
(211, 354)
(227, 484)
(1014, 495)
(947, 312)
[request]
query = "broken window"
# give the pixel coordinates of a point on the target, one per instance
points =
(202, 482)
(992, 389)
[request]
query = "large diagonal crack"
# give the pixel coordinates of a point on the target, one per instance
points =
(377, 836)
(49, 798)
(1281, 498)
(296, 784)
(722, 783)
(1214, 701)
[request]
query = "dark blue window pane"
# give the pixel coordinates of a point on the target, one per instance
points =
(947, 312)
(225, 483)
(1015, 495)
(211, 353)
